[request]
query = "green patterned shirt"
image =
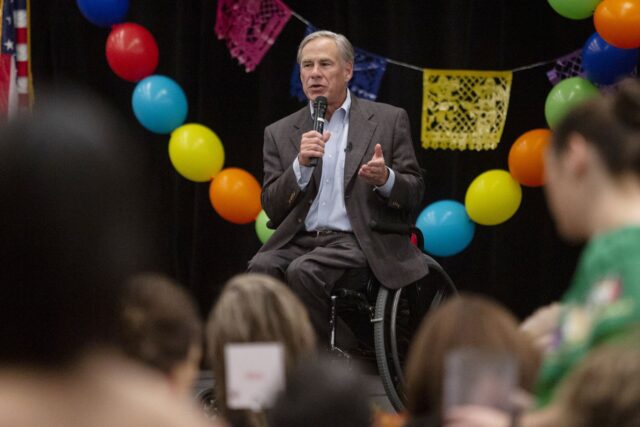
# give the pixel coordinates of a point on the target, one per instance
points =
(602, 304)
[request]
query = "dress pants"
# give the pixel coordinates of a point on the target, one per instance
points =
(310, 265)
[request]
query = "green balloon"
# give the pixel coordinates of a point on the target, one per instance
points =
(574, 9)
(261, 227)
(566, 95)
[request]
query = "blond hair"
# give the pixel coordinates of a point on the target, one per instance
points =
(256, 308)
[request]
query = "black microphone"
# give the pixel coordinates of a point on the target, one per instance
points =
(319, 111)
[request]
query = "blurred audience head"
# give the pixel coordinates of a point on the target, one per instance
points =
(604, 390)
(322, 393)
(464, 322)
(256, 308)
(595, 152)
(160, 327)
(73, 226)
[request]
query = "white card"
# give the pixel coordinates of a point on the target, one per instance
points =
(254, 374)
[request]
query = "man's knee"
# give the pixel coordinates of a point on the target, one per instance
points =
(262, 262)
(296, 271)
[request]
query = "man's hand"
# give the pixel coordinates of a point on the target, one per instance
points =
(375, 172)
(312, 145)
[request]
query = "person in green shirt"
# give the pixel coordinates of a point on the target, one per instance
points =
(592, 173)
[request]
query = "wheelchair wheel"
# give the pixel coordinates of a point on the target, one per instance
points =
(398, 314)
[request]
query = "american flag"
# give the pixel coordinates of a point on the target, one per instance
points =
(16, 90)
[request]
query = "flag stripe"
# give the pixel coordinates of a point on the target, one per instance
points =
(5, 80)
(16, 90)
(21, 35)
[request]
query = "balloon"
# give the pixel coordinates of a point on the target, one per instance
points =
(159, 104)
(262, 230)
(235, 195)
(104, 13)
(566, 95)
(446, 228)
(605, 64)
(132, 51)
(493, 197)
(526, 157)
(196, 152)
(574, 9)
(618, 22)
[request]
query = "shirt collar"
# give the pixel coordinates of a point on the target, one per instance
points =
(346, 105)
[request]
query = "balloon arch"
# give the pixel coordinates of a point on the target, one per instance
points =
(196, 152)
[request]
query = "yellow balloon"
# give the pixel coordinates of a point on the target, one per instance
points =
(493, 197)
(196, 152)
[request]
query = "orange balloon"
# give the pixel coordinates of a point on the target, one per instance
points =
(526, 157)
(618, 22)
(235, 195)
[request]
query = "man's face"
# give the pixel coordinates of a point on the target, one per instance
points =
(323, 72)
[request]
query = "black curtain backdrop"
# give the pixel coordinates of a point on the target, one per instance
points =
(522, 262)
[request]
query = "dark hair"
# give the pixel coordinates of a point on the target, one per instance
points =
(604, 389)
(467, 321)
(322, 393)
(72, 226)
(611, 123)
(159, 323)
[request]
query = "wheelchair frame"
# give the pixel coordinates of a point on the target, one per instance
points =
(385, 315)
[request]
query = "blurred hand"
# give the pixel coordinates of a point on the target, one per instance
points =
(375, 172)
(541, 325)
(476, 416)
(312, 145)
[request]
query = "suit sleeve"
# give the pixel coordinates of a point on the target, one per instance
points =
(280, 189)
(408, 188)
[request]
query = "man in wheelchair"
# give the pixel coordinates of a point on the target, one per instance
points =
(366, 172)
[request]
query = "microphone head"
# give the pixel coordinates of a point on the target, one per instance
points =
(321, 106)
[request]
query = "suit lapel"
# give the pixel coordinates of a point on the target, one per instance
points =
(361, 129)
(302, 123)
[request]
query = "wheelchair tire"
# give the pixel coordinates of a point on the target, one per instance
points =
(386, 370)
(398, 314)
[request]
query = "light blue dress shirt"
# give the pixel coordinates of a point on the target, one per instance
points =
(328, 211)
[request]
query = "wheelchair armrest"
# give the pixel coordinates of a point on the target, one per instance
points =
(385, 227)
(398, 228)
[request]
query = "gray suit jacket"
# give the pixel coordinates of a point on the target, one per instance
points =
(391, 257)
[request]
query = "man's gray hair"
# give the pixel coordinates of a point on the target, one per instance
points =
(344, 45)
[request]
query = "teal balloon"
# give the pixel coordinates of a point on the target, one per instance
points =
(566, 95)
(262, 230)
(159, 104)
(574, 9)
(446, 228)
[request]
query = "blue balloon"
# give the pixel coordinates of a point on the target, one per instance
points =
(605, 64)
(104, 13)
(446, 227)
(159, 104)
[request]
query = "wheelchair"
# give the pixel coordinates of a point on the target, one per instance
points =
(387, 319)
(394, 314)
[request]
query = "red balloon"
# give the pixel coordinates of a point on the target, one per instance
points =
(132, 51)
(526, 157)
(618, 22)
